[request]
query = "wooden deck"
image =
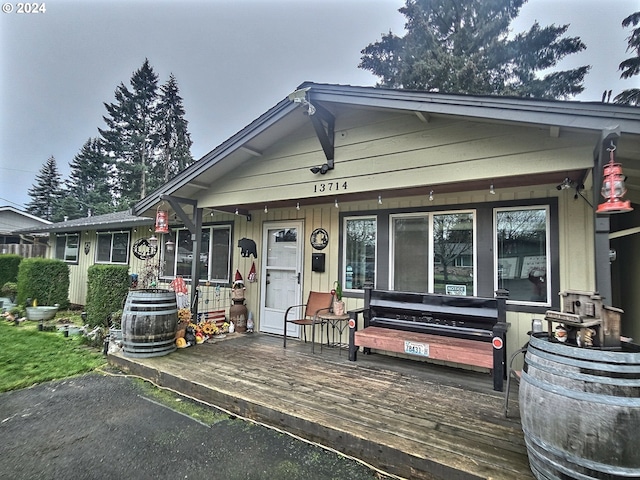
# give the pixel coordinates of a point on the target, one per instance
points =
(413, 420)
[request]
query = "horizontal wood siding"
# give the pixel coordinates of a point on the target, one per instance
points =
(382, 152)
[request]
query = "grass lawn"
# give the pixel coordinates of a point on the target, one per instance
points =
(29, 356)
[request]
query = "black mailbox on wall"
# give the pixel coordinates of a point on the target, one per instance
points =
(317, 262)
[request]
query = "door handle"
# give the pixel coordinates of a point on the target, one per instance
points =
(298, 278)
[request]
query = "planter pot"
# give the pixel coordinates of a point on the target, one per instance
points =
(41, 313)
(338, 307)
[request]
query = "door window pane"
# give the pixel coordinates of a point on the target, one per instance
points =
(453, 252)
(360, 252)
(522, 254)
(411, 254)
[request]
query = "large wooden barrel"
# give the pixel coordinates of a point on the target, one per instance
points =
(580, 411)
(149, 323)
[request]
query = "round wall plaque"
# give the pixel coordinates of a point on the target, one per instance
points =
(319, 238)
(143, 250)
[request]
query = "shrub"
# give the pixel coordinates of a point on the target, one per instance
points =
(107, 289)
(10, 290)
(9, 264)
(44, 280)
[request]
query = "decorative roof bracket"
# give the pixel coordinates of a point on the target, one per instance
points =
(324, 123)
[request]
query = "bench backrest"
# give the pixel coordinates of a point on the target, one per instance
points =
(457, 316)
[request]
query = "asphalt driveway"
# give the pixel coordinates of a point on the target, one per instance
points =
(106, 427)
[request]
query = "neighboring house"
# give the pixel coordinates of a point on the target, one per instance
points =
(12, 220)
(415, 191)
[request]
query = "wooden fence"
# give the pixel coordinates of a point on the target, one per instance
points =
(25, 250)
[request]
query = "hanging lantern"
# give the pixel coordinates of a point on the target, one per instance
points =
(613, 188)
(170, 246)
(162, 222)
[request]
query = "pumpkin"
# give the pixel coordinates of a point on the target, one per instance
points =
(181, 343)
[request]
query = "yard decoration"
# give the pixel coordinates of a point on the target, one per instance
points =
(338, 304)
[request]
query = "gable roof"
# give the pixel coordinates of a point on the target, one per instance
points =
(124, 219)
(278, 122)
(12, 220)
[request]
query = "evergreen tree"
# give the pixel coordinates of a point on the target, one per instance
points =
(462, 46)
(46, 192)
(631, 66)
(89, 184)
(174, 141)
(129, 139)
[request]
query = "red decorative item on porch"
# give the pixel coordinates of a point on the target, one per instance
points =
(162, 223)
(613, 188)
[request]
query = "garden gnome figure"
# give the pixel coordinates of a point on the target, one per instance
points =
(238, 311)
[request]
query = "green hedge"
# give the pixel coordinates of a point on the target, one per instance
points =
(9, 264)
(44, 280)
(107, 290)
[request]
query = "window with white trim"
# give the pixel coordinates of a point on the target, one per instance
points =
(215, 254)
(359, 252)
(522, 253)
(113, 247)
(433, 252)
(67, 247)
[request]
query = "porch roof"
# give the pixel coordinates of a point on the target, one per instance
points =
(284, 118)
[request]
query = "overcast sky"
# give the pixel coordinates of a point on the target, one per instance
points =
(233, 60)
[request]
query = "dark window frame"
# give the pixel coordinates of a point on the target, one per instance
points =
(112, 234)
(484, 245)
(66, 237)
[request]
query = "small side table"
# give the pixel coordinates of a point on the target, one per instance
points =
(338, 322)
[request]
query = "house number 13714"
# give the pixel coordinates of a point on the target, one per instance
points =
(329, 187)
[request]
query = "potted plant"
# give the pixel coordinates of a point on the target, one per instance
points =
(338, 304)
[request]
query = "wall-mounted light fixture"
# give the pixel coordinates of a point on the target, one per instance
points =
(266, 210)
(431, 196)
(298, 206)
(336, 204)
(153, 241)
(492, 191)
(613, 188)
(379, 199)
(170, 246)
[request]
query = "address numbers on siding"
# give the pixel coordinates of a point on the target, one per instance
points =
(329, 187)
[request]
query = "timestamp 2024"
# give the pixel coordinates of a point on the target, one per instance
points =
(24, 7)
(329, 187)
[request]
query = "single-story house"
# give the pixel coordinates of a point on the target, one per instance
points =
(412, 191)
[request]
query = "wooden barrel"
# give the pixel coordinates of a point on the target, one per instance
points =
(580, 411)
(149, 323)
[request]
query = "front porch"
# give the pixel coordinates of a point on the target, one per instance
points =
(413, 420)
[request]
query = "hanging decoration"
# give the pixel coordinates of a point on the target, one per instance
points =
(162, 220)
(613, 188)
(252, 273)
(143, 249)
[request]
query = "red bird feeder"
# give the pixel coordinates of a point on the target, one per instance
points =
(613, 188)
(162, 223)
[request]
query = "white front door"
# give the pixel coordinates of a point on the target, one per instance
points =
(281, 274)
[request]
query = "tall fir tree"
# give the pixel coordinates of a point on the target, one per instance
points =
(89, 182)
(631, 66)
(174, 141)
(129, 139)
(46, 192)
(463, 46)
